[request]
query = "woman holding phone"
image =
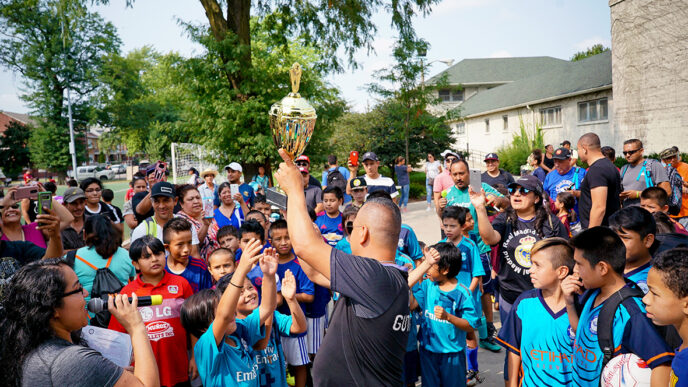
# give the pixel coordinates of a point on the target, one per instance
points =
(228, 213)
(13, 230)
(192, 210)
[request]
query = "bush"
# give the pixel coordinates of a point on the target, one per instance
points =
(512, 156)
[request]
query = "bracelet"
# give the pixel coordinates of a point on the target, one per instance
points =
(637, 195)
(236, 286)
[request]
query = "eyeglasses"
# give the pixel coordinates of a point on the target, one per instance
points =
(15, 206)
(521, 190)
(349, 227)
(80, 289)
(93, 190)
(630, 152)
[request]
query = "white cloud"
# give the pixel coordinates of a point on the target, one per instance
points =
(501, 54)
(587, 43)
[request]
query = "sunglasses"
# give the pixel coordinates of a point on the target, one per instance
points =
(630, 152)
(521, 190)
(349, 227)
(301, 163)
(15, 206)
(80, 289)
(451, 159)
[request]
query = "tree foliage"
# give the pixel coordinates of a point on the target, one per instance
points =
(514, 155)
(14, 151)
(593, 50)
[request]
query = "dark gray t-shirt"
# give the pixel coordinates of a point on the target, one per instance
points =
(632, 179)
(313, 196)
(366, 340)
(58, 362)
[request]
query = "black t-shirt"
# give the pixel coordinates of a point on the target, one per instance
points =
(109, 211)
(14, 255)
(602, 173)
(366, 340)
(503, 178)
(514, 252)
(548, 161)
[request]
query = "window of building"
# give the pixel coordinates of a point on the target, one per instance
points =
(461, 128)
(449, 95)
(487, 125)
(505, 123)
(550, 116)
(595, 110)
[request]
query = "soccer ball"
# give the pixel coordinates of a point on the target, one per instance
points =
(626, 370)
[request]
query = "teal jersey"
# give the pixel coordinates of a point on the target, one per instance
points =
(632, 333)
(441, 336)
(344, 245)
(230, 365)
(542, 338)
(459, 197)
(639, 276)
(271, 363)
(471, 265)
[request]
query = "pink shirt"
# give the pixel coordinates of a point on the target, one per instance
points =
(31, 234)
(442, 181)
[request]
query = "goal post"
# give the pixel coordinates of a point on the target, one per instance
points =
(188, 155)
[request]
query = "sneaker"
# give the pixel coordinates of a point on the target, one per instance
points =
(473, 378)
(491, 330)
(490, 345)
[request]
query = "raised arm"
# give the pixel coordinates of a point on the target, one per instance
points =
(572, 286)
(65, 216)
(298, 319)
(431, 258)
(49, 224)
(487, 233)
(268, 264)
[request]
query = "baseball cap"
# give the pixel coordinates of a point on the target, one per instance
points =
(357, 182)
(72, 194)
(234, 166)
(528, 182)
(561, 154)
(491, 156)
(448, 152)
(369, 156)
(163, 188)
(303, 158)
(669, 152)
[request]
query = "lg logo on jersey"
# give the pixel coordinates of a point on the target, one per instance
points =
(402, 323)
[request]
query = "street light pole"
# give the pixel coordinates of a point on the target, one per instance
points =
(72, 146)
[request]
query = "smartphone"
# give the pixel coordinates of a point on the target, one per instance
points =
(45, 202)
(353, 157)
(26, 192)
(476, 180)
(208, 208)
(160, 169)
(234, 188)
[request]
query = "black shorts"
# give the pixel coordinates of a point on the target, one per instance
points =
(488, 282)
(411, 363)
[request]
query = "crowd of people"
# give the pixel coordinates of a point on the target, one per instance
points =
(582, 260)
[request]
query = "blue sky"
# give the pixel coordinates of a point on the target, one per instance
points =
(456, 29)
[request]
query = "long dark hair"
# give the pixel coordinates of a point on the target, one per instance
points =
(29, 303)
(541, 215)
(101, 234)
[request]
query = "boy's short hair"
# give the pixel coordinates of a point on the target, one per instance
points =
(663, 222)
(455, 212)
(107, 195)
(559, 249)
(379, 194)
(220, 251)
(252, 226)
(227, 230)
(174, 225)
(198, 311)
(88, 181)
(256, 213)
(139, 248)
(601, 244)
(634, 218)
(450, 258)
(72, 183)
(260, 198)
(657, 194)
(348, 212)
(51, 187)
(334, 190)
(673, 267)
(279, 224)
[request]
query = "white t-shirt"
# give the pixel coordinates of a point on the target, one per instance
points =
(140, 231)
(432, 169)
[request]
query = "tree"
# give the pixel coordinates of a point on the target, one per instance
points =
(14, 151)
(593, 50)
(55, 45)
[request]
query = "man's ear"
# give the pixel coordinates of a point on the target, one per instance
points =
(603, 268)
(365, 235)
(649, 240)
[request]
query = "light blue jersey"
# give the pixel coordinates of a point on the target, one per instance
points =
(632, 333)
(441, 336)
(471, 266)
(230, 365)
(542, 338)
(639, 276)
(344, 245)
(271, 363)
(459, 197)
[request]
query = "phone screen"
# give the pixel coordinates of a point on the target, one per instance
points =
(44, 202)
(208, 208)
(476, 180)
(234, 188)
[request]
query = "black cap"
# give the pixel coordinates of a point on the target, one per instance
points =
(163, 188)
(561, 154)
(357, 182)
(528, 182)
(369, 156)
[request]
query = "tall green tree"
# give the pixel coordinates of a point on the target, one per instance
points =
(590, 51)
(14, 151)
(55, 45)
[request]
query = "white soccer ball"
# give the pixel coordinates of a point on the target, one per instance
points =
(626, 370)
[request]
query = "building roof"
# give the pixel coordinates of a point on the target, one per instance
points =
(497, 70)
(22, 118)
(560, 81)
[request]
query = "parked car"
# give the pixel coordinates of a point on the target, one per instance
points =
(118, 168)
(92, 171)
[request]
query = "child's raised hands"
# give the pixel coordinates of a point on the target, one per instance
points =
(289, 286)
(432, 256)
(571, 286)
(250, 255)
(269, 261)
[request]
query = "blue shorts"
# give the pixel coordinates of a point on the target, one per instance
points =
(488, 282)
(411, 363)
(443, 369)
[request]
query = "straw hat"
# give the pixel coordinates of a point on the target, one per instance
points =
(209, 172)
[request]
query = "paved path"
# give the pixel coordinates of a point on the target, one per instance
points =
(426, 224)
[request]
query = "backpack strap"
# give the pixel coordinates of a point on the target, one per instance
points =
(89, 264)
(576, 184)
(605, 319)
(107, 265)
(623, 170)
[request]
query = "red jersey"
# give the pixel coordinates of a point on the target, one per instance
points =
(129, 194)
(165, 331)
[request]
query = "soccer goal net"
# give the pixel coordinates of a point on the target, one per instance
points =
(186, 156)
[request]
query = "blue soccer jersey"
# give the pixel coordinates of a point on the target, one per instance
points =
(441, 336)
(196, 272)
(639, 276)
(632, 333)
(542, 338)
(408, 243)
(230, 365)
(344, 245)
(330, 228)
(272, 370)
(679, 369)
(303, 284)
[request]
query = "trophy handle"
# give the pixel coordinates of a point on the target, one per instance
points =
(295, 76)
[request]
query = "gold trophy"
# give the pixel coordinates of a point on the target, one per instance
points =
(292, 121)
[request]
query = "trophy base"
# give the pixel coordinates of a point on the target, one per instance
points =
(275, 197)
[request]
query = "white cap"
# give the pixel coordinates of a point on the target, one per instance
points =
(234, 167)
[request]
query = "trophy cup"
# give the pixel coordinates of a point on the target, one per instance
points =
(292, 121)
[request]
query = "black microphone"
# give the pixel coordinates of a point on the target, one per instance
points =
(96, 305)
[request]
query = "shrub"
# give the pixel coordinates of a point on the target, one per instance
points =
(512, 156)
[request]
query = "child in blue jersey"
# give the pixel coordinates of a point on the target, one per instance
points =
(223, 343)
(348, 217)
(448, 313)
(637, 228)
(600, 258)
(330, 220)
(470, 274)
(667, 304)
(177, 236)
(536, 333)
(268, 353)
(295, 346)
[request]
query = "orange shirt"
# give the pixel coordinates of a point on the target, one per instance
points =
(682, 169)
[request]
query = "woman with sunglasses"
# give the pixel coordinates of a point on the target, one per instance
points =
(515, 231)
(42, 314)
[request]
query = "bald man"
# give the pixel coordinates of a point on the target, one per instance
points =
(366, 340)
(601, 186)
